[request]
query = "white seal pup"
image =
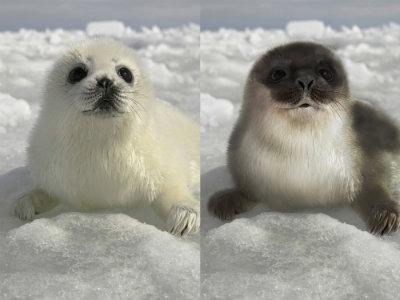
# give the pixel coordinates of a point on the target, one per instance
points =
(301, 141)
(103, 140)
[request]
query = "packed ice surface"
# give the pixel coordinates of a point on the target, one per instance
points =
(299, 256)
(319, 254)
(107, 255)
(99, 256)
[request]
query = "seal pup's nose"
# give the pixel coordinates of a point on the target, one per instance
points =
(305, 82)
(104, 83)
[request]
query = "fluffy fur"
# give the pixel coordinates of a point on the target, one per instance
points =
(303, 165)
(146, 151)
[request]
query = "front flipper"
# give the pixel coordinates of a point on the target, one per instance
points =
(176, 206)
(384, 220)
(183, 219)
(228, 203)
(379, 210)
(32, 203)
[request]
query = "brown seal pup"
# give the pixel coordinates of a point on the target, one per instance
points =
(301, 141)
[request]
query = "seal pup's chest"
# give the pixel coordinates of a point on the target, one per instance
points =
(302, 170)
(103, 177)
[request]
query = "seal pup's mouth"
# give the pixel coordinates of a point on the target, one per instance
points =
(107, 105)
(304, 105)
(299, 100)
(105, 109)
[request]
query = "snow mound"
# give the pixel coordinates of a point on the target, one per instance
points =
(298, 256)
(12, 111)
(107, 256)
(110, 28)
(305, 29)
(215, 112)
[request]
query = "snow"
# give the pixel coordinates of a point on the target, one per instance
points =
(361, 75)
(298, 256)
(314, 254)
(215, 112)
(12, 111)
(109, 255)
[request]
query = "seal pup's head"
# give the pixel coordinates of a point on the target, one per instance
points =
(299, 81)
(97, 79)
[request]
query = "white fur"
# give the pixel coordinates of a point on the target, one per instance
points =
(182, 219)
(297, 166)
(150, 153)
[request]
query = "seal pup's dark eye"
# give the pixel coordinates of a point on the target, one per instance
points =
(77, 74)
(125, 74)
(326, 74)
(277, 75)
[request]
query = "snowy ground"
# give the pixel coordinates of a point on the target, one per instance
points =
(66, 255)
(306, 255)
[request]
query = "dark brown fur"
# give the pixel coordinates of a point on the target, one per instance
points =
(379, 139)
(228, 203)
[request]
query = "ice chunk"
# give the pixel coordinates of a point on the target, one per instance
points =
(12, 111)
(305, 29)
(111, 28)
(359, 74)
(214, 111)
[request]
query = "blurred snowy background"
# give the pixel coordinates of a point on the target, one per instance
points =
(67, 255)
(75, 14)
(319, 254)
(240, 14)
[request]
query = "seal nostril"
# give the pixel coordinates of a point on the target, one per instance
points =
(305, 82)
(301, 84)
(310, 84)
